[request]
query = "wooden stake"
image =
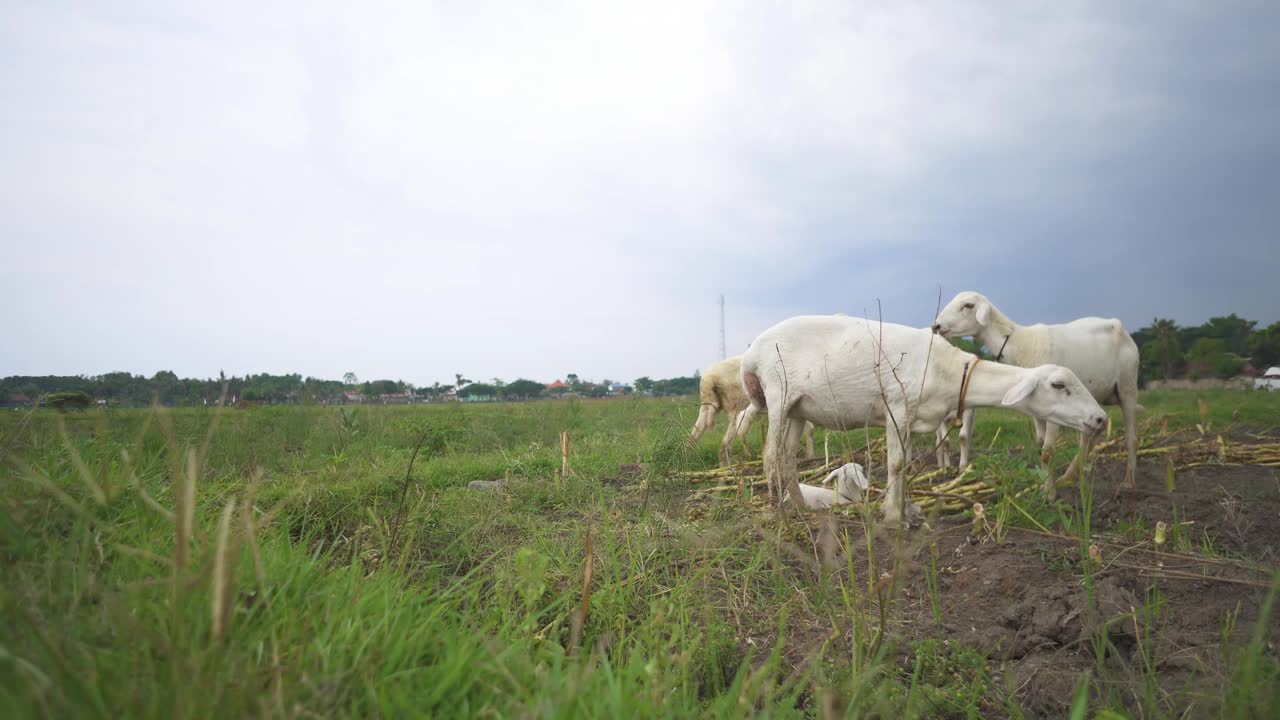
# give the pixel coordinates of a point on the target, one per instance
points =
(565, 443)
(826, 448)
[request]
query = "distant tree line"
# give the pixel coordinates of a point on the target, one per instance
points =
(166, 388)
(1223, 347)
(122, 388)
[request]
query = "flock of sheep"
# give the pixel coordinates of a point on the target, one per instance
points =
(842, 373)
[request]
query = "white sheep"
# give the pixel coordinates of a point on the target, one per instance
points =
(841, 372)
(851, 487)
(720, 390)
(1098, 350)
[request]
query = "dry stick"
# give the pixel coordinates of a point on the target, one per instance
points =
(223, 567)
(1193, 559)
(565, 441)
(580, 619)
(404, 490)
(878, 341)
(1176, 575)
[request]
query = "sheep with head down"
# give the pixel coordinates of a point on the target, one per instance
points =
(842, 372)
(720, 391)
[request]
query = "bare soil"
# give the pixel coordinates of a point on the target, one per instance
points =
(1025, 601)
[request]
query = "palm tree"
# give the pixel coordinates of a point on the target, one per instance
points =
(1166, 332)
(459, 380)
(350, 379)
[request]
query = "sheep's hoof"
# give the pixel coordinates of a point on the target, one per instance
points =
(894, 515)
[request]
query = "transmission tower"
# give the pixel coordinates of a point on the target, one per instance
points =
(722, 352)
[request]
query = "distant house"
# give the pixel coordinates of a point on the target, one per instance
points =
(557, 386)
(19, 399)
(1270, 379)
(352, 396)
(617, 389)
(400, 398)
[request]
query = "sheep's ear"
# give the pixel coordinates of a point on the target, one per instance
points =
(983, 313)
(1020, 391)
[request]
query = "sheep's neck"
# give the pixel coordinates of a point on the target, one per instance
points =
(989, 384)
(994, 334)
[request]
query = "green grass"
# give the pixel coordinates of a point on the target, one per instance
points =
(471, 612)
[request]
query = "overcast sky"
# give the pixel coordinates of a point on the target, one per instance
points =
(498, 190)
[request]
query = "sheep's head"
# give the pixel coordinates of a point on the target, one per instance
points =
(1054, 393)
(966, 314)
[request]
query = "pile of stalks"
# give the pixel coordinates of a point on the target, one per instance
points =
(1201, 450)
(937, 491)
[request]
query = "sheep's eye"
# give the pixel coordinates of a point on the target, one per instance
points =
(968, 306)
(1059, 386)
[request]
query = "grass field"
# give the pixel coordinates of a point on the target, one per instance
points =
(283, 561)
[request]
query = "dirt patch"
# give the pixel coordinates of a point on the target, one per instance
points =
(1233, 509)
(1026, 603)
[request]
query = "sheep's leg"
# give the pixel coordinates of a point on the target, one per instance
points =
(792, 431)
(808, 439)
(726, 444)
(743, 423)
(895, 491)
(706, 420)
(1129, 406)
(1046, 458)
(773, 451)
(966, 439)
(942, 445)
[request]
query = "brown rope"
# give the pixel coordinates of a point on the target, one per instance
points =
(965, 376)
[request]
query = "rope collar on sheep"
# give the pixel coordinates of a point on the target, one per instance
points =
(965, 376)
(1000, 354)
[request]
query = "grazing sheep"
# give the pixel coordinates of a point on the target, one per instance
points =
(1098, 350)
(842, 372)
(720, 390)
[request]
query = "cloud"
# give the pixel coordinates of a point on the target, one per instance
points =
(504, 191)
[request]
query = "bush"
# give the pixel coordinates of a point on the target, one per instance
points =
(69, 400)
(1226, 366)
